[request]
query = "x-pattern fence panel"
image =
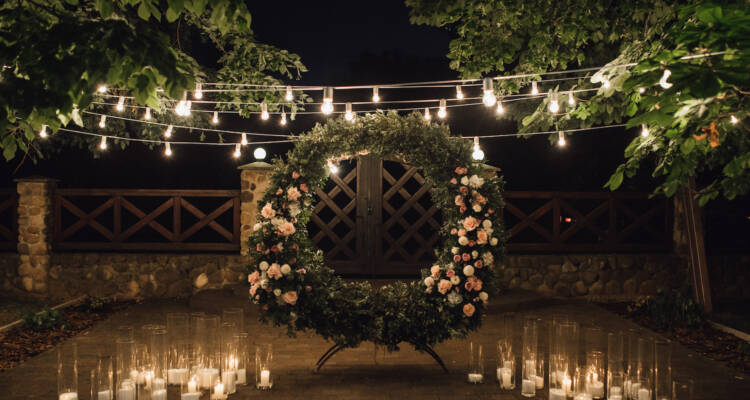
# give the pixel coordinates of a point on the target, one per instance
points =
(8, 219)
(141, 219)
(587, 221)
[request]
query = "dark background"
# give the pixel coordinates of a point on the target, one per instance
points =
(343, 44)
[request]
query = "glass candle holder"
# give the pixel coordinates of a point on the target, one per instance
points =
(190, 389)
(126, 370)
(615, 365)
(506, 376)
(663, 370)
(67, 371)
(567, 362)
(643, 387)
(207, 350)
(580, 385)
(236, 316)
(242, 354)
(528, 356)
(177, 357)
(475, 371)
(194, 359)
(631, 373)
(102, 379)
(682, 389)
(263, 359)
(218, 390)
(229, 364)
(553, 359)
(594, 374)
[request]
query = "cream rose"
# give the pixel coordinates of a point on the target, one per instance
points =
(470, 223)
(486, 224)
(263, 265)
(463, 240)
(277, 292)
(483, 296)
(444, 286)
(465, 180)
(290, 298)
(455, 280)
(286, 269)
(493, 241)
(267, 211)
(429, 282)
(257, 227)
(476, 208)
(455, 250)
(286, 229)
(476, 181)
(468, 270)
(293, 193)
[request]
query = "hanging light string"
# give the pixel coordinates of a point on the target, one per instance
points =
(504, 135)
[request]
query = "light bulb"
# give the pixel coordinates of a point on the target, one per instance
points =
(534, 88)
(488, 98)
(237, 152)
(375, 95)
(349, 115)
(459, 92)
(168, 132)
(571, 99)
(102, 89)
(641, 90)
(733, 119)
(283, 119)
(477, 154)
(181, 107)
(663, 81)
(167, 149)
(264, 111)
(332, 167)
(427, 115)
(103, 121)
(147, 115)
(120, 104)
(554, 106)
(289, 94)
(259, 153)
(188, 105)
(103, 143)
(441, 111)
(644, 130)
(198, 94)
(215, 119)
(605, 83)
(500, 109)
(244, 139)
(560, 139)
(327, 106)
(43, 132)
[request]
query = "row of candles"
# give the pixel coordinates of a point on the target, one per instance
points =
(202, 354)
(582, 363)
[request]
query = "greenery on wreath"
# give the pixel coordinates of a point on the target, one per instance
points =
(294, 287)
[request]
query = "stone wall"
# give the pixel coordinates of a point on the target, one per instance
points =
(603, 275)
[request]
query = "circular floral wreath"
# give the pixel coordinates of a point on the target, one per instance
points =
(290, 281)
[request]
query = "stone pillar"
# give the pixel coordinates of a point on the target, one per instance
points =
(254, 179)
(34, 232)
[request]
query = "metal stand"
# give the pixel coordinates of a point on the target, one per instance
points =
(336, 348)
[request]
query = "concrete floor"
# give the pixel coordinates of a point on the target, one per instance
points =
(365, 372)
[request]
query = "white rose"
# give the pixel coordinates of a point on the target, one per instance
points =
(455, 250)
(474, 254)
(263, 265)
(286, 269)
(455, 280)
(294, 209)
(476, 181)
(468, 270)
(280, 246)
(486, 224)
(257, 227)
(429, 281)
(476, 208)
(454, 298)
(463, 241)
(465, 180)
(488, 258)
(493, 241)
(483, 296)
(277, 292)
(264, 283)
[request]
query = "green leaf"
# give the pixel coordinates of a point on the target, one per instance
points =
(105, 7)
(687, 146)
(143, 11)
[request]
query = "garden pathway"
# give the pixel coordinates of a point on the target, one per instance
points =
(363, 373)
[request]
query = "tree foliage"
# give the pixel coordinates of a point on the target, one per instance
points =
(54, 54)
(692, 134)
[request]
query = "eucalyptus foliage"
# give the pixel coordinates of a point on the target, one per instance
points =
(54, 54)
(691, 134)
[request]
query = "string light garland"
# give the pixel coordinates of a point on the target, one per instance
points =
(733, 120)
(427, 115)
(488, 98)
(644, 130)
(101, 89)
(237, 151)
(289, 94)
(332, 167)
(571, 99)
(327, 106)
(167, 149)
(43, 132)
(554, 106)
(349, 115)
(264, 111)
(244, 139)
(477, 153)
(120, 104)
(441, 111)
(459, 93)
(534, 88)
(103, 143)
(560, 139)
(147, 114)
(259, 153)
(375, 95)
(282, 122)
(198, 93)
(215, 119)
(168, 131)
(663, 81)
(102, 121)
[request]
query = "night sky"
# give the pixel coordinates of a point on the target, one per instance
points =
(342, 44)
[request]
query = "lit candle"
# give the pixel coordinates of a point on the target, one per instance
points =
(159, 383)
(176, 376)
(241, 376)
(159, 394)
(69, 396)
(228, 378)
(614, 397)
(265, 378)
(475, 378)
(634, 387)
(207, 376)
(104, 395)
(539, 382)
(126, 393)
(615, 390)
(644, 394)
(628, 387)
(192, 386)
(503, 376)
(190, 396)
(582, 396)
(528, 386)
(566, 384)
(219, 392)
(595, 389)
(556, 394)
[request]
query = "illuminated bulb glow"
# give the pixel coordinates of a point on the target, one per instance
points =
(244, 139)
(332, 167)
(560, 139)
(327, 106)
(103, 121)
(289, 94)
(120, 104)
(427, 115)
(733, 119)
(283, 119)
(188, 105)
(477, 154)
(459, 93)
(102, 89)
(147, 115)
(663, 81)
(183, 107)
(500, 109)
(605, 83)
(534, 88)
(237, 151)
(571, 99)
(375, 95)
(215, 119)
(488, 98)
(644, 130)
(43, 132)
(349, 115)
(103, 143)
(167, 149)
(264, 111)
(198, 94)
(259, 153)
(554, 106)
(441, 111)
(168, 131)
(641, 90)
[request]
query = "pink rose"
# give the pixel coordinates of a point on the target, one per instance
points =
(469, 309)
(274, 271)
(468, 285)
(466, 256)
(462, 232)
(472, 243)
(459, 200)
(295, 175)
(279, 191)
(477, 284)
(275, 248)
(254, 277)
(454, 231)
(308, 288)
(254, 289)
(290, 297)
(462, 209)
(444, 286)
(259, 247)
(293, 194)
(303, 187)
(428, 290)
(470, 223)
(491, 211)
(481, 236)
(449, 273)
(267, 211)
(286, 229)
(460, 170)
(463, 190)
(456, 258)
(301, 271)
(479, 264)
(435, 270)
(454, 181)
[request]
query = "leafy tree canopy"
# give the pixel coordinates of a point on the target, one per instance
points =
(55, 53)
(697, 126)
